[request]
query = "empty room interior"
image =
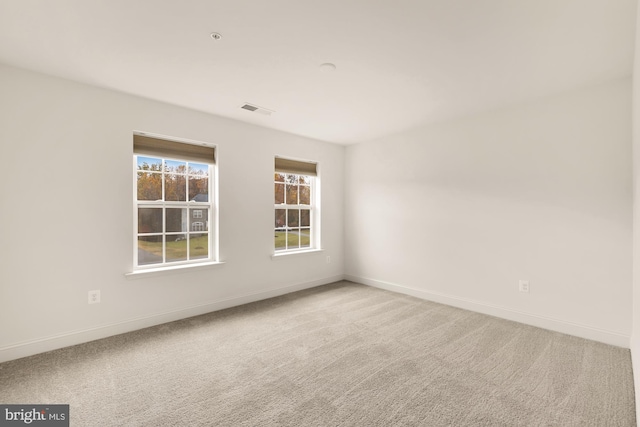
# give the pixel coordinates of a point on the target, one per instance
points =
(320, 213)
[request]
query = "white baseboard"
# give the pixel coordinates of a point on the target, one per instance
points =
(570, 328)
(41, 345)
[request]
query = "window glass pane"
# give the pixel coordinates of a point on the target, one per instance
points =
(280, 240)
(176, 248)
(198, 189)
(292, 195)
(281, 218)
(198, 246)
(305, 217)
(279, 177)
(149, 250)
(199, 219)
(305, 195)
(280, 234)
(292, 218)
(293, 239)
(199, 169)
(149, 186)
(177, 220)
(279, 193)
(149, 164)
(173, 166)
(149, 220)
(305, 237)
(291, 179)
(175, 188)
(304, 179)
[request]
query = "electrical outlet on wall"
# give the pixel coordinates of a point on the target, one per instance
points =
(94, 297)
(523, 285)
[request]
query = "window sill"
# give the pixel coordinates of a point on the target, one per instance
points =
(152, 272)
(282, 255)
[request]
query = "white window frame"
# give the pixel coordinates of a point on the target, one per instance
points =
(210, 219)
(314, 215)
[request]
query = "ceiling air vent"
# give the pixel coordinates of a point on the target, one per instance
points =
(256, 109)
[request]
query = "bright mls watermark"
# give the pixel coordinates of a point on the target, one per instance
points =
(34, 415)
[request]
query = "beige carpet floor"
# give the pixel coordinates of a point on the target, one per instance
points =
(337, 355)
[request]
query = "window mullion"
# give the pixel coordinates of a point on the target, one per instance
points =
(286, 229)
(164, 234)
(162, 179)
(186, 196)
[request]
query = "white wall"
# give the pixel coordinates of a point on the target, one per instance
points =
(458, 212)
(67, 218)
(635, 337)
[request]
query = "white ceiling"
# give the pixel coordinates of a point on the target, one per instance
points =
(400, 63)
